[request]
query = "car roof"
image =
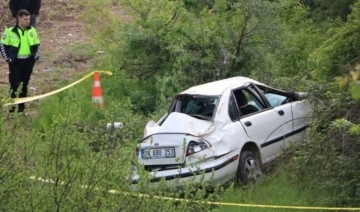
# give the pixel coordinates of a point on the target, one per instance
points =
(218, 87)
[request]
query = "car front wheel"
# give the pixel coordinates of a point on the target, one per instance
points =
(249, 169)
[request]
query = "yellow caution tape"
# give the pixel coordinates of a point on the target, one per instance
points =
(209, 202)
(32, 98)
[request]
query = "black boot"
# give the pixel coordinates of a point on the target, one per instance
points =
(21, 108)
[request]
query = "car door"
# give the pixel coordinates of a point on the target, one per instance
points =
(302, 112)
(296, 112)
(266, 126)
(279, 102)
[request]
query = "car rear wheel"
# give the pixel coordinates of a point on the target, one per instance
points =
(249, 169)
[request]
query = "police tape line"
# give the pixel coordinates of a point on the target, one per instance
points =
(32, 98)
(112, 191)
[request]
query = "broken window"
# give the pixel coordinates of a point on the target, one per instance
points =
(197, 106)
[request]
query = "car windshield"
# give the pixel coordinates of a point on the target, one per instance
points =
(197, 106)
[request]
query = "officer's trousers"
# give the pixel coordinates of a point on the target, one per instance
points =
(19, 77)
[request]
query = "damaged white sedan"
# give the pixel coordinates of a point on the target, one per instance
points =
(221, 131)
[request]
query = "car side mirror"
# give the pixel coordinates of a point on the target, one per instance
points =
(302, 95)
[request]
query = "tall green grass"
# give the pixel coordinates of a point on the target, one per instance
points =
(280, 187)
(63, 158)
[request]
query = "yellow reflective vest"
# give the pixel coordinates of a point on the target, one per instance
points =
(17, 42)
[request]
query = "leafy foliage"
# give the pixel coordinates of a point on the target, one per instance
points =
(328, 158)
(340, 52)
(170, 45)
(330, 9)
(160, 51)
(158, 48)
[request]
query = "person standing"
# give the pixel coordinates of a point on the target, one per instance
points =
(33, 6)
(19, 46)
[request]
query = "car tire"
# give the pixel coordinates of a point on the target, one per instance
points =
(249, 168)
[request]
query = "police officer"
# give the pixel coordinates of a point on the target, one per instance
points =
(19, 46)
(33, 6)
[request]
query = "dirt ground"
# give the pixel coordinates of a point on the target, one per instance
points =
(59, 30)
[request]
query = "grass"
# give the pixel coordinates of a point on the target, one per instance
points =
(57, 143)
(273, 190)
(277, 191)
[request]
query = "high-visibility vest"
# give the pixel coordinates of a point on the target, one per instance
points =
(23, 41)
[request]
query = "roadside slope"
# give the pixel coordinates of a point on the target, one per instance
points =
(60, 32)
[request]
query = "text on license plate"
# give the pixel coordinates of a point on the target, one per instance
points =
(150, 153)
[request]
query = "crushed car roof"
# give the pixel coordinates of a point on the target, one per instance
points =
(218, 87)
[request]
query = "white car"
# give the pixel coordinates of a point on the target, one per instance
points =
(221, 131)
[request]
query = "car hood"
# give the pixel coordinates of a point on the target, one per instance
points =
(180, 123)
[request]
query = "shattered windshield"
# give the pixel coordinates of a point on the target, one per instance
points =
(201, 107)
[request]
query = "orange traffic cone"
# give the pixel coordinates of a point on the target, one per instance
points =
(97, 95)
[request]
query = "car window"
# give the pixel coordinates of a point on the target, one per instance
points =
(247, 102)
(233, 109)
(276, 97)
(201, 107)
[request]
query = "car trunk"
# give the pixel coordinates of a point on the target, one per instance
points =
(166, 145)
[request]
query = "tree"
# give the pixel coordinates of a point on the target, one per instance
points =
(331, 9)
(341, 51)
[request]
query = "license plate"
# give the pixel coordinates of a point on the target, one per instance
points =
(150, 153)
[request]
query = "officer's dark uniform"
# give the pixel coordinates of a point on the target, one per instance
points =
(20, 49)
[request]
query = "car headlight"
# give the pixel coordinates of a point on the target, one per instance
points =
(197, 146)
